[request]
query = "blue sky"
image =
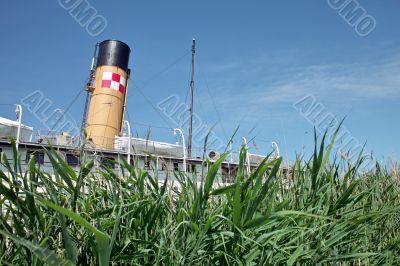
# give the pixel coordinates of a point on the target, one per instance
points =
(254, 61)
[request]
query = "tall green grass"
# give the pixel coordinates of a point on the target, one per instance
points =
(321, 213)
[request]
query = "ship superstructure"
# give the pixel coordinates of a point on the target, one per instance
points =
(107, 135)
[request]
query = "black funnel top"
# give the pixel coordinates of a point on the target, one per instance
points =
(113, 53)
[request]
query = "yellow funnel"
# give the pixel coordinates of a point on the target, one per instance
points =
(107, 102)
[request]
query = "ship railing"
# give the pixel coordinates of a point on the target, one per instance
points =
(159, 167)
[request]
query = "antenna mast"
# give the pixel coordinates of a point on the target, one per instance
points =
(191, 101)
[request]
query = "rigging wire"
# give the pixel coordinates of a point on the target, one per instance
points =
(67, 109)
(162, 71)
(139, 89)
(214, 105)
(155, 108)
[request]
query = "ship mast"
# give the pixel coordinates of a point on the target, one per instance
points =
(189, 145)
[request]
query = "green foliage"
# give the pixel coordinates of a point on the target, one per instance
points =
(320, 213)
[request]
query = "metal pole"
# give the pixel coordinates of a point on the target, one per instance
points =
(128, 126)
(247, 155)
(277, 153)
(18, 111)
(191, 100)
(183, 147)
(276, 148)
(157, 165)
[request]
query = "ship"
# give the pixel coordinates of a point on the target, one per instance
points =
(106, 134)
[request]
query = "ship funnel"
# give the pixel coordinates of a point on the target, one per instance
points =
(109, 91)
